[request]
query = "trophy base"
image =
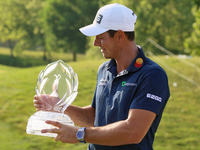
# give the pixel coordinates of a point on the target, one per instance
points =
(37, 122)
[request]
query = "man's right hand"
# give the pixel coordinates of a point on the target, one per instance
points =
(38, 102)
(43, 102)
(46, 102)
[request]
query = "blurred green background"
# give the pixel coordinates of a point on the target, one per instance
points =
(34, 33)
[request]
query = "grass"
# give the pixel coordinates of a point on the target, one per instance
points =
(28, 58)
(179, 128)
(17, 91)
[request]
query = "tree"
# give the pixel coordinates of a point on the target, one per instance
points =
(63, 18)
(13, 13)
(168, 22)
(20, 24)
(40, 33)
(192, 44)
(197, 2)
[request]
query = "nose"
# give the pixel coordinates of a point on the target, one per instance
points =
(96, 41)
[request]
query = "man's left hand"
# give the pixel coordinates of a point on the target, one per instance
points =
(65, 133)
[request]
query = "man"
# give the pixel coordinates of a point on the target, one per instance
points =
(131, 90)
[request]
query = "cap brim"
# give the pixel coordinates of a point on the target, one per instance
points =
(92, 30)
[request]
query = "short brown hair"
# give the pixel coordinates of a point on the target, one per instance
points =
(130, 35)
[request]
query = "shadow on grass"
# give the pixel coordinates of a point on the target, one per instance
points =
(29, 61)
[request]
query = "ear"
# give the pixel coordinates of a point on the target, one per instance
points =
(120, 35)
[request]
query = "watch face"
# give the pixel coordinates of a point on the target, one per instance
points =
(80, 135)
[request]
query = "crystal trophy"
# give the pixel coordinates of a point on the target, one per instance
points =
(57, 87)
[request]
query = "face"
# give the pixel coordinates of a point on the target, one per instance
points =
(107, 45)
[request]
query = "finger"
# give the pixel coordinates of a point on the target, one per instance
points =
(57, 131)
(38, 106)
(40, 97)
(54, 123)
(35, 101)
(39, 109)
(36, 97)
(58, 138)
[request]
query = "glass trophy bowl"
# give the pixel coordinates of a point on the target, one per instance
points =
(57, 87)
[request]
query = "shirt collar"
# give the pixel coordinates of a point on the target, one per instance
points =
(136, 64)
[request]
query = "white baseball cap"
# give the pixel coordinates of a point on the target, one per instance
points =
(111, 17)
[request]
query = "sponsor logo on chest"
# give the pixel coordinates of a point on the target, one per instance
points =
(124, 83)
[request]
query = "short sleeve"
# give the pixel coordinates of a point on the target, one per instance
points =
(152, 91)
(94, 100)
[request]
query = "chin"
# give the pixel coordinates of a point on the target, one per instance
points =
(107, 57)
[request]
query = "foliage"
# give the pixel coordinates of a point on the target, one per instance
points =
(63, 19)
(92, 52)
(13, 13)
(168, 22)
(197, 2)
(37, 32)
(192, 43)
(53, 25)
(20, 24)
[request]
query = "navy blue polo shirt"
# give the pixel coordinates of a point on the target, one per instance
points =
(143, 85)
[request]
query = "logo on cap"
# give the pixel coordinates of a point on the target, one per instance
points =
(99, 18)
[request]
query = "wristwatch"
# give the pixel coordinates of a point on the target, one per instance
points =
(80, 135)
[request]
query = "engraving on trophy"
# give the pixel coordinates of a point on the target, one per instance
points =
(57, 86)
